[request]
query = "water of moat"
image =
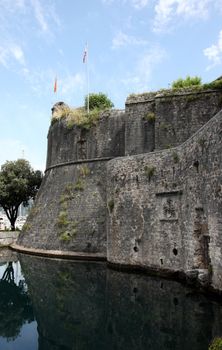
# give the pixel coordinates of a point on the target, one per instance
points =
(50, 304)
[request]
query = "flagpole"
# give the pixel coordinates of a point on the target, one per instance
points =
(86, 60)
(87, 79)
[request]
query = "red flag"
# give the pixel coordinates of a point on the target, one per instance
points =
(55, 85)
(85, 55)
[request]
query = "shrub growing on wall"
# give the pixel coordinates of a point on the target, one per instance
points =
(187, 82)
(216, 344)
(98, 101)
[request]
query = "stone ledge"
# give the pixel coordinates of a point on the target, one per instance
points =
(151, 270)
(80, 161)
(59, 253)
(165, 93)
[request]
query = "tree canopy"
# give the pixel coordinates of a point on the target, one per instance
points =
(18, 183)
(187, 82)
(98, 101)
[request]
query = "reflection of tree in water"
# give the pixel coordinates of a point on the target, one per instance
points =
(8, 275)
(15, 305)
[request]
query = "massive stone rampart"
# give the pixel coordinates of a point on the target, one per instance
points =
(166, 207)
(105, 194)
(163, 120)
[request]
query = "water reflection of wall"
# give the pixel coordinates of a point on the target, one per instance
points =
(69, 302)
(86, 306)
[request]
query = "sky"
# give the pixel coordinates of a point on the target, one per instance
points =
(134, 46)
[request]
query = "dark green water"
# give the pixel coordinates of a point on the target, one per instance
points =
(60, 305)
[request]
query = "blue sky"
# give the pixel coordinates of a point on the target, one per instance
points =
(134, 46)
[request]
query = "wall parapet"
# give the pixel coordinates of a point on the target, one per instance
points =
(152, 96)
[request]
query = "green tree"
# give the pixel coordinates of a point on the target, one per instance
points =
(98, 101)
(18, 183)
(216, 344)
(187, 82)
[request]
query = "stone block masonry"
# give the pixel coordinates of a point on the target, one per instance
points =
(141, 188)
(166, 211)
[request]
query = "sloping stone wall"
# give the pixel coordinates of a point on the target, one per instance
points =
(70, 211)
(106, 139)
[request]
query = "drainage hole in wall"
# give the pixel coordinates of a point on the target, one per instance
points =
(175, 251)
(161, 261)
(136, 249)
(175, 301)
(135, 290)
(196, 165)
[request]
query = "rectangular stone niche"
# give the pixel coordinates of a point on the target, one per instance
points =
(168, 204)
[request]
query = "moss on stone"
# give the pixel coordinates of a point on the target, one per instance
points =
(175, 157)
(216, 344)
(84, 171)
(26, 227)
(111, 205)
(149, 171)
(79, 185)
(62, 219)
(150, 117)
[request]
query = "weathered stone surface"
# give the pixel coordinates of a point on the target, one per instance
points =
(176, 116)
(160, 209)
(58, 109)
(8, 237)
(107, 139)
(166, 209)
(70, 211)
(7, 255)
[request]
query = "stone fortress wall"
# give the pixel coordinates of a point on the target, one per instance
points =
(142, 188)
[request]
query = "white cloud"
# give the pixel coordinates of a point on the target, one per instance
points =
(71, 83)
(139, 80)
(12, 5)
(167, 10)
(214, 52)
(46, 17)
(44, 11)
(139, 4)
(107, 2)
(123, 39)
(39, 14)
(3, 56)
(9, 52)
(40, 81)
(18, 54)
